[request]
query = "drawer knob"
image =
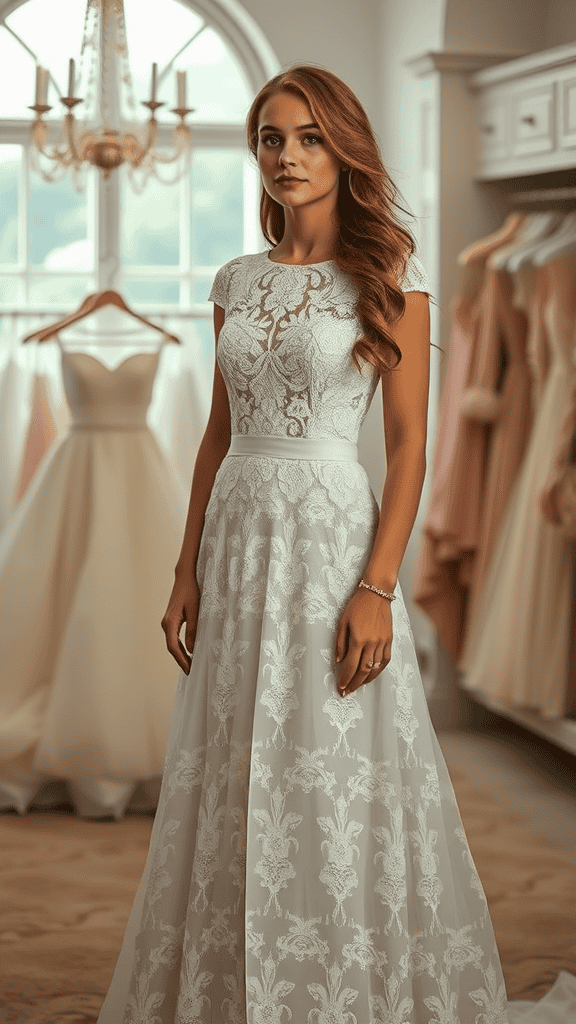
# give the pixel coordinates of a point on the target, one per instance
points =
(488, 129)
(529, 119)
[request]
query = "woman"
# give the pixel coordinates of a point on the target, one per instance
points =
(308, 862)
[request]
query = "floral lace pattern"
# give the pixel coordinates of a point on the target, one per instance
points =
(285, 347)
(308, 862)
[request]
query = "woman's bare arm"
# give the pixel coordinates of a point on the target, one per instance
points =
(184, 600)
(364, 635)
(405, 402)
(213, 448)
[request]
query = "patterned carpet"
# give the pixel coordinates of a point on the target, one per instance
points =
(66, 887)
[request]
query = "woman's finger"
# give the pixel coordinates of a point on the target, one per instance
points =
(174, 644)
(380, 659)
(190, 638)
(363, 668)
(350, 664)
(340, 648)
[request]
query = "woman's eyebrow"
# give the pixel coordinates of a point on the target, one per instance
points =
(298, 129)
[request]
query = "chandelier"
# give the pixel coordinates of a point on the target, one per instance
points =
(98, 140)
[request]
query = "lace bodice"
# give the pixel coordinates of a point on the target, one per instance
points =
(285, 347)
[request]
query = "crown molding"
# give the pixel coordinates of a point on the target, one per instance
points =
(543, 60)
(454, 63)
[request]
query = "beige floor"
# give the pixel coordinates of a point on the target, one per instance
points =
(527, 776)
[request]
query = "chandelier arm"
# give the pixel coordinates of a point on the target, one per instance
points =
(151, 136)
(75, 157)
(182, 139)
(39, 135)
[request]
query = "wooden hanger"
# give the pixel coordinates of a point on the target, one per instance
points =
(90, 304)
(480, 250)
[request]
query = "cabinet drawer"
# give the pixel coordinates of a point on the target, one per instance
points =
(493, 128)
(533, 121)
(567, 112)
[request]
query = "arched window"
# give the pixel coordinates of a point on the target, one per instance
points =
(161, 249)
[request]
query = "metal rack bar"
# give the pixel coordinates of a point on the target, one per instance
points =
(543, 195)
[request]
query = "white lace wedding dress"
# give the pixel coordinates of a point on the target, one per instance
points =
(308, 861)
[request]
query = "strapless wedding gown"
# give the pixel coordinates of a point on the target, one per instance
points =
(86, 569)
(308, 861)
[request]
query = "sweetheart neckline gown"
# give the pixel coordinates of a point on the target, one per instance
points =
(86, 567)
(307, 861)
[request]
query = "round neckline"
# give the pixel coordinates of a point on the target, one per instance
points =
(280, 264)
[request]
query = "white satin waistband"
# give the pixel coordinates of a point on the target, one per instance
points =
(109, 426)
(323, 449)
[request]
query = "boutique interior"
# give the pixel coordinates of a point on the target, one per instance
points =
(104, 316)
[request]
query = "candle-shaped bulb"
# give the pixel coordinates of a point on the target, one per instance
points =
(154, 81)
(181, 76)
(43, 88)
(71, 68)
(37, 92)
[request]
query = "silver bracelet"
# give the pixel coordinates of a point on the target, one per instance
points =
(389, 597)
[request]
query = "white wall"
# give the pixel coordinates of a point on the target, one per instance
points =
(337, 34)
(560, 23)
(496, 26)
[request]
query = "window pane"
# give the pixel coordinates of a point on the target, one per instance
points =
(53, 38)
(10, 164)
(156, 38)
(152, 292)
(217, 206)
(151, 225)
(59, 291)
(217, 86)
(17, 73)
(9, 291)
(57, 226)
(201, 286)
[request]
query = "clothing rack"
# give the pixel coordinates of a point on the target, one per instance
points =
(544, 195)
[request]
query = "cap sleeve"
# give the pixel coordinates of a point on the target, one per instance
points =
(415, 279)
(219, 290)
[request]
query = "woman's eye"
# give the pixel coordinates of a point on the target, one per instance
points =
(268, 138)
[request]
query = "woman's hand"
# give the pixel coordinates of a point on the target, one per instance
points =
(364, 635)
(182, 607)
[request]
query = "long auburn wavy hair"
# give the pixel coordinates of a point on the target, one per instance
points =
(372, 246)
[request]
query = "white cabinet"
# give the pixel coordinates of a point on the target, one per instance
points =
(567, 111)
(526, 115)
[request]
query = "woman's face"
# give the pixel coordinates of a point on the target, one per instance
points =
(289, 143)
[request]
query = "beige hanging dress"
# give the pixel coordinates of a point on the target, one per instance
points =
(452, 527)
(511, 429)
(517, 652)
